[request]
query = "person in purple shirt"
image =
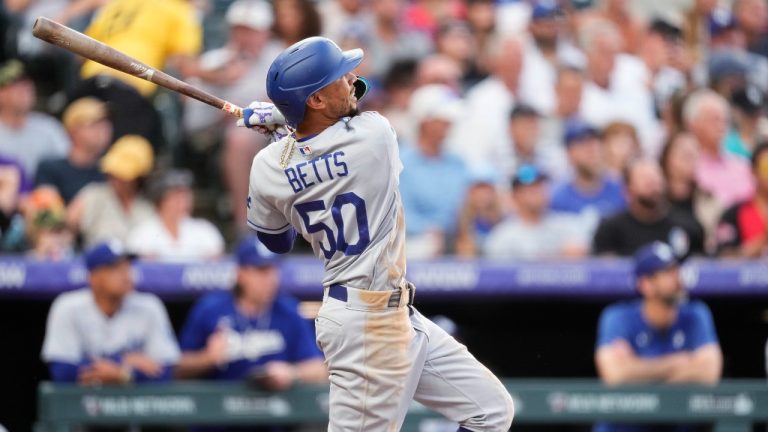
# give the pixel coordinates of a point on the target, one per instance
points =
(660, 338)
(253, 332)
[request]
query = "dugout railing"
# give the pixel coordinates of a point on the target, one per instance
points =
(732, 406)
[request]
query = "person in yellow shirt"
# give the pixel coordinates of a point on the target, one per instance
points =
(156, 32)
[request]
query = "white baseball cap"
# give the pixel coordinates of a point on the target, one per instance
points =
(435, 101)
(254, 14)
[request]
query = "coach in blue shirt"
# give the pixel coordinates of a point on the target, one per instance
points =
(661, 338)
(252, 331)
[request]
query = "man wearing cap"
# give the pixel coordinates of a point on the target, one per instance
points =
(252, 332)
(746, 129)
(90, 132)
(111, 209)
(529, 147)
(535, 232)
(108, 333)
(26, 136)
(660, 337)
(431, 217)
(590, 193)
(174, 235)
(543, 52)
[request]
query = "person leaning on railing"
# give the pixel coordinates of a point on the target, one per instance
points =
(659, 338)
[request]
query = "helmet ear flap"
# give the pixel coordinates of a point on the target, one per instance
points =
(361, 87)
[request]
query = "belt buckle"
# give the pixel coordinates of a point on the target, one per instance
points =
(411, 292)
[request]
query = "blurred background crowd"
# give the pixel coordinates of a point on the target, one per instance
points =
(529, 129)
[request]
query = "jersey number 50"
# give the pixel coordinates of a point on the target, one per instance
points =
(337, 242)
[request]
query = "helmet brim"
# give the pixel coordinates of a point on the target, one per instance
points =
(352, 59)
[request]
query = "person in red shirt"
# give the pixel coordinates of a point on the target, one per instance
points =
(742, 230)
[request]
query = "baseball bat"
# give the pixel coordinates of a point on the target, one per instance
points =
(78, 43)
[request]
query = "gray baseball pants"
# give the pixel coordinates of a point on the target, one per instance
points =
(382, 354)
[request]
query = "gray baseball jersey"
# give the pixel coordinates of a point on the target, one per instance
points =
(78, 331)
(339, 189)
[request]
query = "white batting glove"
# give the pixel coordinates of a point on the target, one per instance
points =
(264, 118)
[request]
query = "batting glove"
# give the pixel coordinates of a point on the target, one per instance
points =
(264, 118)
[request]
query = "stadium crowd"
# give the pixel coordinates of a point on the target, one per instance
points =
(529, 129)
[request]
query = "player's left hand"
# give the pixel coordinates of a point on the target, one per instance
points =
(102, 371)
(143, 364)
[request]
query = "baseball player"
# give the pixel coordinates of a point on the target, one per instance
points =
(334, 179)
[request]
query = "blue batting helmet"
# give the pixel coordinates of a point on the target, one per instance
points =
(304, 68)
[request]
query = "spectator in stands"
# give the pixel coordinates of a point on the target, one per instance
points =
(568, 90)
(678, 162)
(482, 137)
(47, 234)
(659, 338)
(174, 235)
(591, 192)
(389, 40)
(481, 212)
(527, 145)
(111, 209)
(397, 88)
(647, 217)
(335, 14)
(725, 176)
(455, 41)
(544, 50)
(618, 13)
(660, 51)
(751, 16)
(90, 133)
(14, 186)
(742, 230)
(253, 332)
(730, 65)
(26, 136)
(160, 33)
(535, 232)
(109, 333)
(295, 20)
(745, 130)
(481, 17)
(431, 217)
(620, 145)
(611, 91)
(228, 72)
(696, 29)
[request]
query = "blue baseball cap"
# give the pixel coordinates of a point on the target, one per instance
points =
(721, 20)
(527, 174)
(576, 129)
(105, 254)
(653, 258)
(543, 9)
(252, 252)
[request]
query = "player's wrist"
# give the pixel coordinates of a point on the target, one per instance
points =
(126, 374)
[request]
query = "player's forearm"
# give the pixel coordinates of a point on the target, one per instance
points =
(193, 365)
(705, 367)
(312, 371)
(637, 370)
